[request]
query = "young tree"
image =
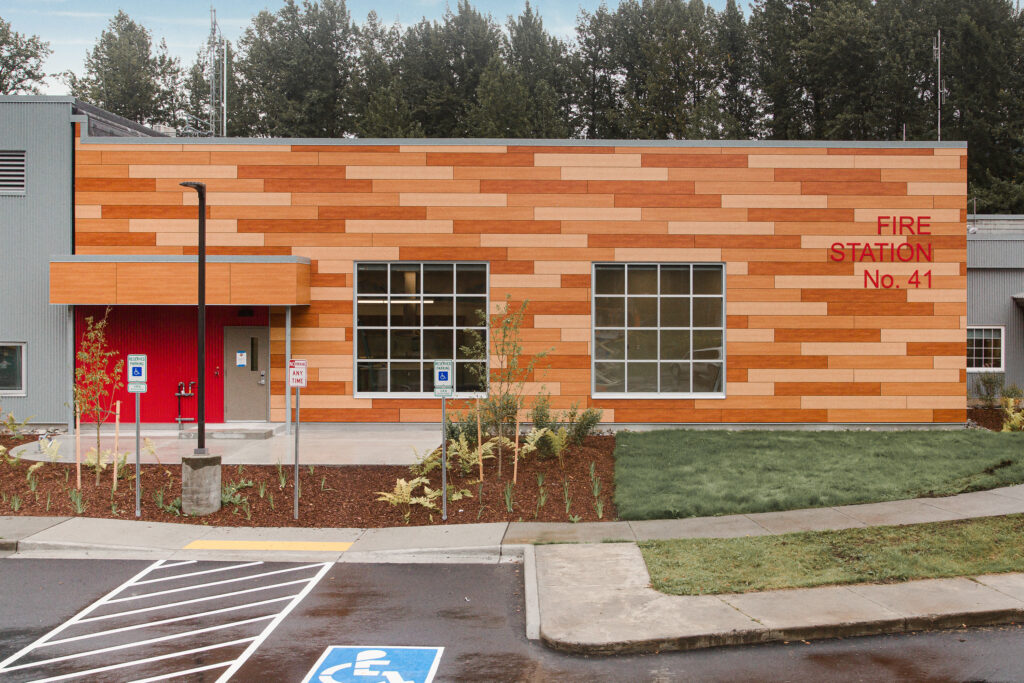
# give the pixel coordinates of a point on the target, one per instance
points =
(21, 61)
(123, 76)
(98, 376)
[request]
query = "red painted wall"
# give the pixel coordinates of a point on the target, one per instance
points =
(167, 335)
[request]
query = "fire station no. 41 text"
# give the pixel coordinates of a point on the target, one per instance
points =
(890, 252)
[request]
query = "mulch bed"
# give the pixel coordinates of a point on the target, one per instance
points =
(331, 496)
(989, 418)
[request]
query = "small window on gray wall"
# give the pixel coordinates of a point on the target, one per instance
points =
(12, 369)
(12, 172)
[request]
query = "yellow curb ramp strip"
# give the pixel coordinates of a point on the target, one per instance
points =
(299, 546)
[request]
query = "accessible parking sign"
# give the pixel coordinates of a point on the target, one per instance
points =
(371, 664)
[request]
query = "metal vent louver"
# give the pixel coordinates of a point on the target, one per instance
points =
(12, 171)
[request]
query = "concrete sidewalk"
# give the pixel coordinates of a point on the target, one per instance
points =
(584, 593)
(320, 444)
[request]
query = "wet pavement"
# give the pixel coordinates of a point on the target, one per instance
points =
(474, 611)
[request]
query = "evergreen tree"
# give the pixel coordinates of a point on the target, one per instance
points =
(441, 67)
(595, 75)
(21, 61)
(123, 76)
(739, 115)
(378, 99)
(296, 67)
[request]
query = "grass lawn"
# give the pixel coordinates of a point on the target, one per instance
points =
(687, 473)
(702, 566)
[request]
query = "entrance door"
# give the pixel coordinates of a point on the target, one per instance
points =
(246, 373)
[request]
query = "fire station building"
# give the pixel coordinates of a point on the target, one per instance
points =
(683, 282)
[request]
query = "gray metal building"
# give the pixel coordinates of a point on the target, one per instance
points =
(995, 298)
(36, 222)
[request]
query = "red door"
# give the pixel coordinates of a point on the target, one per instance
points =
(167, 335)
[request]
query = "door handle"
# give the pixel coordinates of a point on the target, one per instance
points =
(263, 376)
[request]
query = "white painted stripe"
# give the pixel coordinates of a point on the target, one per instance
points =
(137, 643)
(186, 672)
(254, 645)
(215, 583)
(171, 565)
(123, 665)
(78, 617)
(147, 624)
(189, 602)
(207, 571)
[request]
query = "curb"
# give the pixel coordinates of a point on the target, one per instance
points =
(754, 636)
(8, 545)
(488, 554)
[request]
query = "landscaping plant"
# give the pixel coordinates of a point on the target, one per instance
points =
(98, 376)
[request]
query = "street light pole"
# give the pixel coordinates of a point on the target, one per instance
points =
(200, 188)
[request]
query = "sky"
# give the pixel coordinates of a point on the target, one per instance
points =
(73, 26)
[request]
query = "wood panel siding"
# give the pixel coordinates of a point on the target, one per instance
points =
(807, 339)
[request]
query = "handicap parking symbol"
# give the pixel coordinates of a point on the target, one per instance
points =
(442, 375)
(136, 371)
(383, 664)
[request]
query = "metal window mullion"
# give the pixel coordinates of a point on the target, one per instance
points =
(657, 334)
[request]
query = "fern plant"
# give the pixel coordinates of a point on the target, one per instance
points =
(402, 496)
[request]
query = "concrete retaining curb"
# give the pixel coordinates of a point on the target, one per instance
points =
(755, 636)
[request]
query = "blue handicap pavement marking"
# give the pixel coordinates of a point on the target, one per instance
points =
(382, 664)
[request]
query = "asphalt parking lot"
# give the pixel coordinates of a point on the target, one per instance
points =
(101, 620)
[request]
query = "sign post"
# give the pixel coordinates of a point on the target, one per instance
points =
(444, 388)
(296, 380)
(137, 378)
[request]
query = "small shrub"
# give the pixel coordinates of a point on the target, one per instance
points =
(15, 502)
(1013, 417)
(584, 425)
(1013, 391)
(282, 479)
(230, 493)
(540, 415)
(9, 425)
(989, 386)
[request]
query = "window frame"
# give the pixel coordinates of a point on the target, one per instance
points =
(1002, 348)
(594, 394)
(24, 371)
(356, 393)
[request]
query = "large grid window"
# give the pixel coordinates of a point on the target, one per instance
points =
(12, 369)
(985, 349)
(659, 329)
(411, 314)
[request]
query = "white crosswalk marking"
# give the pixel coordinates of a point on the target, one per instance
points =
(172, 639)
